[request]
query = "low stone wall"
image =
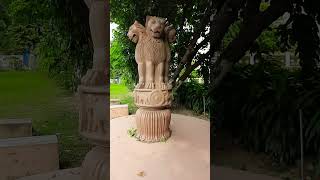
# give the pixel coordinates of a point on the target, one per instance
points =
(5, 61)
(119, 110)
(11, 128)
(114, 101)
(27, 156)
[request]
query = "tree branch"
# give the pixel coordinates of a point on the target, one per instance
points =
(225, 17)
(252, 8)
(249, 32)
(190, 52)
(190, 68)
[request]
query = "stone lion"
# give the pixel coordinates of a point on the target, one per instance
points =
(152, 52)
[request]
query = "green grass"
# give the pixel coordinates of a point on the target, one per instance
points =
(34, 95)
(120, 91)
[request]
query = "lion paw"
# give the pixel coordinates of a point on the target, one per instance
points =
(149, 85)
(163, 86)
(93, 78)
(139, 86)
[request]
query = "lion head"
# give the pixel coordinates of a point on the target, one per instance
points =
(155, 26)
(135, 29)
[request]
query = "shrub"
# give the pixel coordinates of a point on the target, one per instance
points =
(191, 95)
(260, 104)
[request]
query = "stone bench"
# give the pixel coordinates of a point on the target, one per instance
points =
(27, 156)
(11, 128)
(114, 101)
(119, 110)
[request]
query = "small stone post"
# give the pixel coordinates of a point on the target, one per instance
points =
(94, 97)
(153, 92)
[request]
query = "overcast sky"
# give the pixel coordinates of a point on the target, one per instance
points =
(112, 27)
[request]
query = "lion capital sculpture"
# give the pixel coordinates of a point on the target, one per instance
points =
(152, 52)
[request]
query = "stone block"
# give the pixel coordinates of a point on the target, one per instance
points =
(66, 174)
(26, 156)
(12, 128)
(114, 101)
(118, 111)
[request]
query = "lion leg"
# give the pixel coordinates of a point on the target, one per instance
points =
(149, 75)
(166, 75)
(166, 72)
(142, 72)
(160, 74)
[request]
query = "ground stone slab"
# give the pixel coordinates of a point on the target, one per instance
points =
(67, 174)
(186, 155)
(222, 173)
(12, 128)
(27, 156)
(119, 110)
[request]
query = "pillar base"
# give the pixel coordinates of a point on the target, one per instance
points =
(153, 125)
(96, 165)
(154, 115)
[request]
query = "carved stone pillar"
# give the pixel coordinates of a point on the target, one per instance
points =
(94, 97)
(153, 92)
(154, 115)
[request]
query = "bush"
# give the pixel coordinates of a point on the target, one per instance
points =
(260, 104)
(191, 95)
(130, 101)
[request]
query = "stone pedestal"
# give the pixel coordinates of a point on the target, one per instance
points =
(27, 156)
(94, 114)
(119, 110)
(154, 115)
(184, 156)
(94, 95)
(12, 128)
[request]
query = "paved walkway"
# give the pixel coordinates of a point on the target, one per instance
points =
(221, 173)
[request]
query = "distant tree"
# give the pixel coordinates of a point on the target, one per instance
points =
(57, 31)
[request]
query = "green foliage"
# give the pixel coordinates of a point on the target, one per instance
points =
(33, 95)
(56, 31)
(264, 6)
(191, 96)
(267, 42)
(120, 67)
(132, 108)
(117, 91)
(260, 104)
(120, 91)
(132, 132)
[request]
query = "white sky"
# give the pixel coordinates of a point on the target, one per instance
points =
(112, 27)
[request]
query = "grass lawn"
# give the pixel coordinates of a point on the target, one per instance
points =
(120, 91)
(34, 95)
